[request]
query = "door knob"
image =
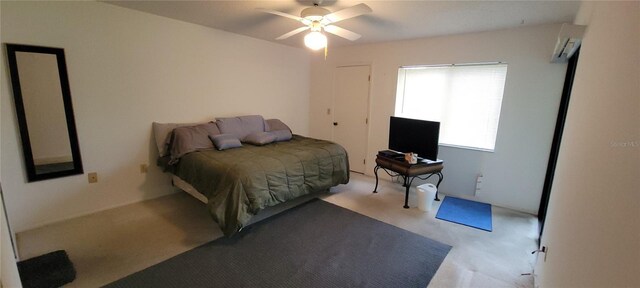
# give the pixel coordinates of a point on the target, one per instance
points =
(335, 123)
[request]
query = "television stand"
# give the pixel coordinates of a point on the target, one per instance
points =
(397, 166)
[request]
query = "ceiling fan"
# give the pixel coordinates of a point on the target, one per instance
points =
(318, 19)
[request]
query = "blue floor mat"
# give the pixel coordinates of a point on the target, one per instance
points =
(466, 212)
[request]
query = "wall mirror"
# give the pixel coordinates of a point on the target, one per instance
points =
(44, 111)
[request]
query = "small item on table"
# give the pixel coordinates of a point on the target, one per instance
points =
(411, 157)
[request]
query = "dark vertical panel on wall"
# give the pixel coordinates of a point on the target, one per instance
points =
(557, 138)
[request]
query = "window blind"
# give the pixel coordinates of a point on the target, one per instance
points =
(465, 99)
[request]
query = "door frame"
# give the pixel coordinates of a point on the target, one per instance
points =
(368, 108)
(557, 140)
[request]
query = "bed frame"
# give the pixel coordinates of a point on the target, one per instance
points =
(264, 213)
(186, 187)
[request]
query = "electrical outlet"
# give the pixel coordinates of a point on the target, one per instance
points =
(93, 177)
(479, 183)
(144, 168)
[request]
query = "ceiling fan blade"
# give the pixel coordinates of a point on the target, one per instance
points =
(294, 17)
(347, 13)
(294, 32)
(344, 33)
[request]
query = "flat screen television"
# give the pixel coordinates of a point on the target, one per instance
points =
(417, 136)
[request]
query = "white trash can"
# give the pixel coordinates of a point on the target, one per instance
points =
(426, 195)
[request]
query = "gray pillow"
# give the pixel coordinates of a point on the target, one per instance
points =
(241, 126)
(225, 141)
(162, 134)
(276, 124)
(281, 135)
(191, 138)
(260, 138)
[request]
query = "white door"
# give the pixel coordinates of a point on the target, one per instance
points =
(350, 112)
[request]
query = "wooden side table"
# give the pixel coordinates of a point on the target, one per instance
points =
(396, 166)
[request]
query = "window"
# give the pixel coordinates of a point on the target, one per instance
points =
(465, 99)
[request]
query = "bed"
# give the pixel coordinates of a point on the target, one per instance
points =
(238, 182)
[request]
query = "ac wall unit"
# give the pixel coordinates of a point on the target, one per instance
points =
(569, 41)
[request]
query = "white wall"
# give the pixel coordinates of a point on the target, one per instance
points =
(126, 70)
(592, 228)
(514, 173)
(9, 276)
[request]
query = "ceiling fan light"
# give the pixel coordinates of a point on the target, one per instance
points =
(314, 18)
(315, 40)
(314, 13)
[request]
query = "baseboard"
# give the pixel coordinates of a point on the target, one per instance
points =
(473, 198)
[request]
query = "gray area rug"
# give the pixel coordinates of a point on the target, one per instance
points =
(316, 244)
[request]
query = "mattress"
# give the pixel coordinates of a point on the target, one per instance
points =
(238, 183)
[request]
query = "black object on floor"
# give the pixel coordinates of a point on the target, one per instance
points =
(49, 270)
(316, 244)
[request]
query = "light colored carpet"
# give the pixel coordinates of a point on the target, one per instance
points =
(109, 245)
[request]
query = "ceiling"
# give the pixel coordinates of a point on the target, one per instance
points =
(390, 20)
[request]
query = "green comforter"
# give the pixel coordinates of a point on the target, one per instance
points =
(240, 182)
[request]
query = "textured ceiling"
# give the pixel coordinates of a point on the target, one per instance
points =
(390, 20)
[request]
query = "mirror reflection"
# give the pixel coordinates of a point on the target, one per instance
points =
(45, 114)
(44, 110)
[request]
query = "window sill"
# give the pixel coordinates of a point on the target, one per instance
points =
(467, 148)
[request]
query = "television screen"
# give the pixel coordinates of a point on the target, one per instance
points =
(417, 136)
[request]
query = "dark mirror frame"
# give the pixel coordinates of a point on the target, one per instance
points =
(22, 120)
